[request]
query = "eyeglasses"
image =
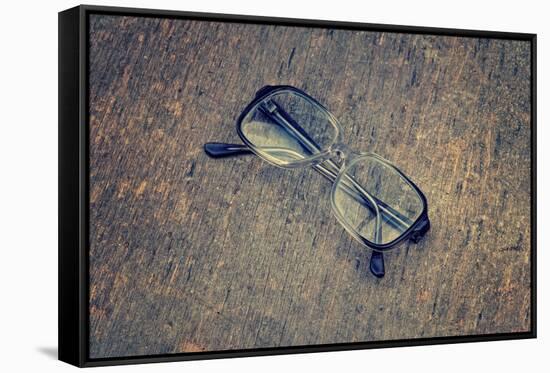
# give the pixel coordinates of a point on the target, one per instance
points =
(372, 199)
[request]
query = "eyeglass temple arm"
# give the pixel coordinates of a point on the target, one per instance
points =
(221, 150)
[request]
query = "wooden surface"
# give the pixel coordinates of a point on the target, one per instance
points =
(189, 253)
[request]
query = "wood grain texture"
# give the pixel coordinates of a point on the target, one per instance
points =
(189, 253)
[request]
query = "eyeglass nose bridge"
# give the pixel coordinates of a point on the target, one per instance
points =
(341, 151)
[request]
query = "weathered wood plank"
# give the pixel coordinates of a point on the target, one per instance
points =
(190, 253)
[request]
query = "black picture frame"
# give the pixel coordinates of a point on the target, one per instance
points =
(74, 188)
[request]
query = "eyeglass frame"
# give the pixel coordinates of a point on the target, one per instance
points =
(337, 149)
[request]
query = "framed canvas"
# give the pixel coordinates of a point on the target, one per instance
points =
(236, 186)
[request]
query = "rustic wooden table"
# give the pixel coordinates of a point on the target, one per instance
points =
(189, 253)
